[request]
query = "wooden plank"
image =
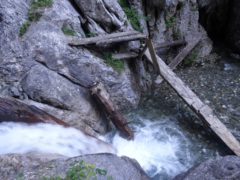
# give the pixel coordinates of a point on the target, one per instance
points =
(170, 44)
(103, 98)
(183, 54)
(127, 55)
(107, 38)
(180, 57)
(122, 39)
(201, 109)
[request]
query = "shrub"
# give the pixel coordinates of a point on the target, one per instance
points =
(82, 171)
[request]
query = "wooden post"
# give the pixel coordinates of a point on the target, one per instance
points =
(192, 100)
(103, 98)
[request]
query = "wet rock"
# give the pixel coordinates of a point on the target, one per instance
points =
(39, 166)
(60, 83)
(221, 168)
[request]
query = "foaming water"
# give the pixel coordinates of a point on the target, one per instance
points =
(158, 147)
(47, 138)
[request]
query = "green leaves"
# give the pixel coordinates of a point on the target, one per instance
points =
(83, 171)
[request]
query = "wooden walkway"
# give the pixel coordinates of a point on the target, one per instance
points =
(165, 71)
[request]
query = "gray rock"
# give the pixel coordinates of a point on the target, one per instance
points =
(107, 15)
(48, 87)
(221, 168)
(60, 83)
(180, 20)
(38, 166)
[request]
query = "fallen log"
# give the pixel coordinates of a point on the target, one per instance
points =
(12, 110)
(101, 95)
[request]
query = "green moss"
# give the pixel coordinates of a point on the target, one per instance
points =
(34, 13)
(68, 31)
(24, 28)
(116, 64)
(131, 14)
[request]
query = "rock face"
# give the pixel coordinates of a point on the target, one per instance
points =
(221, 168)
(42, 67)
(39, 166)
(180, 20)
(221, 20)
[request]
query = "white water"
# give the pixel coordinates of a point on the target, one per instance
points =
(156, 146)
(159, 146)
(47, 138)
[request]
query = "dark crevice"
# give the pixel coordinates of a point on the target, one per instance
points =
(214, 18)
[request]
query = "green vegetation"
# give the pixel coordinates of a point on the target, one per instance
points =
(91, 34)
(24, 28)
(82, 171)
(116, 64)
(34, 13)
(131, 14)
(190, 59)
(170, 21)
(68, 31)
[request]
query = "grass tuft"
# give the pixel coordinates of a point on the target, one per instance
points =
(116, 64)
(68, 31)
(131, 14)
(24, 28)
(34, 13)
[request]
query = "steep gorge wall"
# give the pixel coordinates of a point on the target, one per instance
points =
(41, 69)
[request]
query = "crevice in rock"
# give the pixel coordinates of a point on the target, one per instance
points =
(214, 17)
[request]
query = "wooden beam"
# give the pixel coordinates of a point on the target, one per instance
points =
(183, 54)
(127, 55)
(192, 100)
(170, 44)
(107, 38)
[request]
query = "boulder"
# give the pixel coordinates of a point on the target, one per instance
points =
(39, 166)
(220, 168)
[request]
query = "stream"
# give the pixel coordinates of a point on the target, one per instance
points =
(162, 145)
(169, 138)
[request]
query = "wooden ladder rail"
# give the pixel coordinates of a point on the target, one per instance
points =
(192, 100)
